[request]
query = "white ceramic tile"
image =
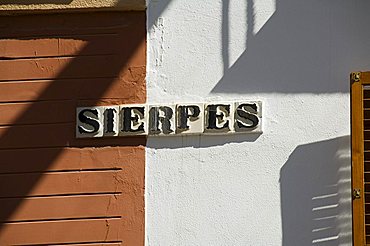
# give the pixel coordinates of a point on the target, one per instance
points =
(190, 118)
(89, 122)
(162, 120)
(110, 121)
(218, 118)
(248, 117)
(133, 119)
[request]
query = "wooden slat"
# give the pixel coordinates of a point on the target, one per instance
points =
(357, 134)
(367, 104)
(365, 78)
(366, 114)
(367, 219)
(18, 185)
(367, 156)
(367, 195)
(367, 177)
(54, 159)
(367, 208)
(366, 94)
(59, 46)
(63, 207)
(367, 166)
(366, 124)
(366, 135)
(98, 230)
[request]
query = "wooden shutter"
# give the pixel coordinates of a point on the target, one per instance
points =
(360, 99)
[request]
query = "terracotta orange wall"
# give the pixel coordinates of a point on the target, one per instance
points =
(23, 6)
(55, 188)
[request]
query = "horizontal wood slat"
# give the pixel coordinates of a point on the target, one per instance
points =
(367, 135)
(367, 177)
(366, 149)
(38, 160)
(367, 156)
(367, 208)
(366, 124)
(98, 230)
(60, 183)
(59, 46)
(367, 196)
(366, 104)
(366, 94)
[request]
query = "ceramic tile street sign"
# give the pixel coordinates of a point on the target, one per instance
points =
(169, 119)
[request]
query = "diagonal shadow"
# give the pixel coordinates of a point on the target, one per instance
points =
(126, 67)
(304, 47)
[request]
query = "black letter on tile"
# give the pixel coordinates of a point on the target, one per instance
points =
(247, 115)
(88, 120)
(110, 112)
(185, 113)
(155, 118)
(213, 117)
(128, 118)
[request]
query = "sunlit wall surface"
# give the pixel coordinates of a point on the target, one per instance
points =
(287, 186)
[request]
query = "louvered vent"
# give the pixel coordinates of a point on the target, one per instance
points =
(366, 122)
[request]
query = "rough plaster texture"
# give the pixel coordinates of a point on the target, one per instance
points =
(26, 6)
(289, 186)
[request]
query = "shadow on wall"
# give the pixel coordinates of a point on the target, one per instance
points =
(315, 194)
(26, 2)
(35, 139)
(10, 136)
(200, 141)
(156, 8)
(305, 47)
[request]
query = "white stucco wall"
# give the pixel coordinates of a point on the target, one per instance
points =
(287, 186)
